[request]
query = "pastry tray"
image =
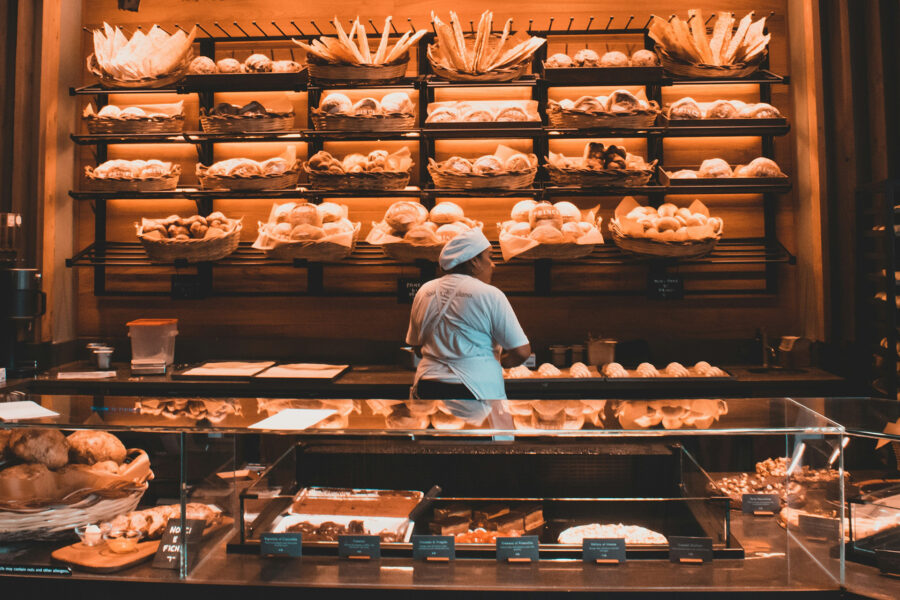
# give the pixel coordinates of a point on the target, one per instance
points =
(564, 376)
(301, 372)
(780, 122)
(246, 81)
(227, 371)
(481, 125)
(603, 75)
(692, 377)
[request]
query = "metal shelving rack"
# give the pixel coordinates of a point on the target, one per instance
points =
(102, 253)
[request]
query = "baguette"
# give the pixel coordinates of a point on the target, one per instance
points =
(461, 42)
(363, 41)
(343, 39)
(383, 45)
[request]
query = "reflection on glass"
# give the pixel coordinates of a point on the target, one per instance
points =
(194, 409)
(672, 414)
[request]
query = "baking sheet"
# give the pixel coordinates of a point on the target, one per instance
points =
(224, 370)
(563, 376)
(373, 525)
(692, 377)
(303, 371)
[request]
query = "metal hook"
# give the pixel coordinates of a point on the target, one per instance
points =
(260, 29)
(241, 28)
(630, 19)
(300, 31)
(166, 32)
(550, 26)
(608, 23)
(569, 28)
(275, 25)
(433, 28)
(87, 30)
(471, 26)
(200, 27)
(216, 23)
(394, 27)
(691, 18)
(671, 17)
(710, 18)
(317, 27)
(530, 21)
(375, 29)
(650, 20)
(588, 28)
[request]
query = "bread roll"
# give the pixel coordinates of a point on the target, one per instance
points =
(667, 210)
(545, 213)
(572, 230)
(258, 63)
(354, 163)
(488, 164)
(614, 58)
(477, 115)
(447, 232)
(305, 214)
(91, 447)
(586, 58)
(446, 212)
(34, 477)
(622, 101)
(522, 210)
(568, 211)
(244, 167)
(644, 58)
(336, 227)
(686, 108)
(282, 230)
(684, 174)
(306, 233)
(274, 166)
(46, 446)
(715, 167)
(286, 66)
(397, 102)
(330, 212)
(111, 111)
(229, 65)
(335, 103)
(518, 162)
(511, 113)
(458, 165)
(321, 161)
(444, 114)
(367, 107)
(760, 110)
(764, 167)
(522, 229)
(420, 234)
(132, 112)
(376, 160)
(547, 234)
(721, 109)
(560, 60)
(589, 104)
(402, 215)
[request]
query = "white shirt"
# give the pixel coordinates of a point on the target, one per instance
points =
(479, 318)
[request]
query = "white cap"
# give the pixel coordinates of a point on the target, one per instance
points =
(463, 247)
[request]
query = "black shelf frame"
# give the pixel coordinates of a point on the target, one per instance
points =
(103, 254)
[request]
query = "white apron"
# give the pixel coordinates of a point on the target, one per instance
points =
(482, 375)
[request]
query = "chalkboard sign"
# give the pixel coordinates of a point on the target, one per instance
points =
(407, 288)
(690, 549)
(281, 544)
(187, 287)
(168, 554)
(603, 550)
(760, 504)
(517, 549)
(433, 547)
(819, 528)
(359, 546)
(665, 287)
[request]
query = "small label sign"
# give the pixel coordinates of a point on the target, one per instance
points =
(760, 504)
(34, 570)
(604, 550)
(407, 288)
(281, 544)
(819, 528)
(690, 549)
(518, 549)
(888, 561)
(665, 287)
(360, 547)
(168, 554)
(440, 548)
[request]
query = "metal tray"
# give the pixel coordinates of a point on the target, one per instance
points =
(602, 75)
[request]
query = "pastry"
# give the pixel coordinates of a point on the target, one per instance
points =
(759, 111)
(34, 477)
(286, 66)
(228, 65)
(354, 163)
(520, 372)
(647, 370)
(323, 161)
(110, 111)
(760, 167)
(446, 212)
(258, 63)
(367, 107)
(447, 232)
(155, 169)
(90, 447)
(614, 58)
(444, 114)
(452, 510)
(397, 103)
(548, 370)
(376, 160)
(477, 115)
(458, 165)
(644, 58)
(622, 101)
(335, 104)
(307, 233)
(243, 167)
(547, 234)
(686, 108)
(46, 446)
(511, 113)
(274, 166)
(615, 370)
(632, 534)
(330, 212)
(522, 210)
(336, 227)
(715, 168)
(421, 234)
(544, 213)
(305, 214)
(586, 58)
(487, 165)
(721, 109)
(202, 65)
(559, 60)
(450, 525)
(675, 369)
(579, 370)
(402, 215)
(568, 212)
(589, 104)
(518, 162)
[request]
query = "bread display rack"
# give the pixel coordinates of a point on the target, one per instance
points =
(765, 252)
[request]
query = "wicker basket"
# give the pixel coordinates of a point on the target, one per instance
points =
(365, 74)
(194, 250)
(56, 520)
(564, 251)
(155, 82)
(324, 121)
(288, 179)
(596, 178)
(579, 119)
(384, 180)
(143, 125)
(407, 252)
(514, 180)
(506, 74)
(247, 124)
(681, 68)
(313, 251)
(115, 184)
(659, 249)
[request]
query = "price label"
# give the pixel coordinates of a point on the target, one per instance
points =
(518, 549)
(168, 554)
(665, 287)
(604, 550)
(690, 549)
(440, 548)
(364, 547)
(281, 544)
(407, 288)
(760, 504)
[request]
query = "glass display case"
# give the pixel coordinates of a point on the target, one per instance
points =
(759, 479)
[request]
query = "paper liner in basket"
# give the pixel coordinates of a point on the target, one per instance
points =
(632, 228)
(381, 234)
(266, 240)
(514, 245)
(162, 111)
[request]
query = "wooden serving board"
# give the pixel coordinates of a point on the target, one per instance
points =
(99, 559)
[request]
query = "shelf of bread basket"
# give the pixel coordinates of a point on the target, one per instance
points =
(599, 166)
(321, 71)
(275, 173)
(568, 114)
(505, 169)
(135, 119)
(690, 70)
(410, 232)
(336, 112)
(541, 230)
(49, 504)
(311, 232)
(120, 175)
(667, 232)
(480, 56)
(378, 170)
(148, 60)
(250, 118)
(192, 239)
(107, 80)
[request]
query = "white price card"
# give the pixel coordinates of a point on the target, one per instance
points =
(24, 409)
(294, 419)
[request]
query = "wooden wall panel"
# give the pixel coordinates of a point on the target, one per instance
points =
(546, 320)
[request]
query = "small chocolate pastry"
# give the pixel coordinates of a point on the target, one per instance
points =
(489, 512)
(452, 510)
(252, 108)
(224, 108)
(513, 522)
(449, 526)
(532, 515)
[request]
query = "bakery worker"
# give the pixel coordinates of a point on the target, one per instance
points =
(457, 320)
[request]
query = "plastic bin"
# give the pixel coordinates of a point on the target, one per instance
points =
(153, 340)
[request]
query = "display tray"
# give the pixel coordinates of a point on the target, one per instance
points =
(563, 376)
(692, 377)
(666, 121)
(485, 125)
(223, 371)
(98, 559)
(302, 371)
(246, 81)
(602, 75)
(733, 181)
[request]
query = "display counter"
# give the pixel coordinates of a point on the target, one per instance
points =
(660, 475)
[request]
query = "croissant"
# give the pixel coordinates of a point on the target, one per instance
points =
(559, 61)
(759, 111)
(721, 109)
(478, 115)
(686, 108)
(761, 167)
(512, 113)
(445, 114)
(715, 167)
(621, 101)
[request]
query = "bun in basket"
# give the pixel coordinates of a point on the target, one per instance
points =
(330, 212)
(545, 213)
(91, 447)
(547, 234)
(336, 104)
(517, 162)
(305, 214)
(446, 212)
(46, 446)
(522, 210)
(487, 164)
(402, 215)
(307, 233)
(614, 58)
(458, 165)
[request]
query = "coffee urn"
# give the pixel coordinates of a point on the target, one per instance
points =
(21, 302)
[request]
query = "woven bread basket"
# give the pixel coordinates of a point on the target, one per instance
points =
(148, 82)
(596, 178)
(323, 121)
(383, 180)
(579, 119)
(365, 74)
(564, 251)
(505, 74)
(313, 251)
(682, 68)
(513, 180)
(408, 252)
(661, 249)
(247, 124)
(117, 184)
(165, 250)
(143, 125)
(288, 179)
